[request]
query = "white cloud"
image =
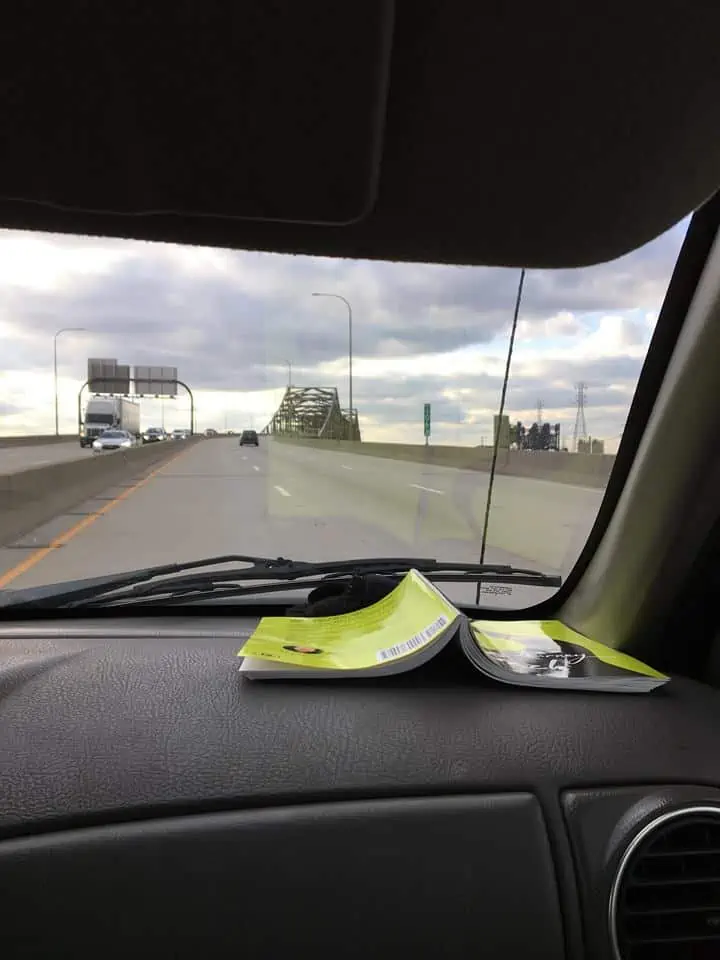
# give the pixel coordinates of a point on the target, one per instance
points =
(562, 324)
(44, 262)
(615, 335)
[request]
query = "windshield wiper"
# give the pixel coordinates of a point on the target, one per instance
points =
(161, 584)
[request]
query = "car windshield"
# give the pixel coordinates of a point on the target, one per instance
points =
(376, 388)
(113, 435)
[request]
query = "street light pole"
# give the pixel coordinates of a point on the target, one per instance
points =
(337, 296)
(55, 373)
(289, 366)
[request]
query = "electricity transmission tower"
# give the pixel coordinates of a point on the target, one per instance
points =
(580, 430)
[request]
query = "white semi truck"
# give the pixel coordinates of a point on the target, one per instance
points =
(105, 413)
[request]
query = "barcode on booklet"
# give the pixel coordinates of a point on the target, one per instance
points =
(419, 640)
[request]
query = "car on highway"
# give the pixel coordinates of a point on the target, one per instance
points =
(180, 433)
(154, 435)
(249, 438)
(113, 440)
(105, 413)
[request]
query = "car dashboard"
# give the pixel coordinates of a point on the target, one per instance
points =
(152, 796)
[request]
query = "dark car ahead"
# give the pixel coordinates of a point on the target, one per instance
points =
(249, 438)
(154, 435)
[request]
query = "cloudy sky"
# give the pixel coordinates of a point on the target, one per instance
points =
(232, 321)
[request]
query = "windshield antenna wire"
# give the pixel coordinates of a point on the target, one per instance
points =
(496, 442)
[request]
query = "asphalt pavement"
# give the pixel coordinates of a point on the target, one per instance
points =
(15, 459)
(281, 499)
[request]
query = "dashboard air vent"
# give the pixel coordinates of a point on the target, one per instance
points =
(665, 902)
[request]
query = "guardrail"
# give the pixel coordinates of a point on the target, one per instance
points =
(34, 496)
(579, 469)
(37, 441)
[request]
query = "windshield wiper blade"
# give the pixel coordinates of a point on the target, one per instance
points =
(162, 594)
(161, 583)
(54, 593)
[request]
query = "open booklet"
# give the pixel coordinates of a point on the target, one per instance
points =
(413, 623)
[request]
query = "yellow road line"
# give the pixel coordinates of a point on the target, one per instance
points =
(29, 562)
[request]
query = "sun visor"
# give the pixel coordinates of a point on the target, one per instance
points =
(249, 91)
(538, 136)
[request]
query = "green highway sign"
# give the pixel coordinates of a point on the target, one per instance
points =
(427, 419)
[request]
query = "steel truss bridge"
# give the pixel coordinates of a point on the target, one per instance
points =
(313, 412)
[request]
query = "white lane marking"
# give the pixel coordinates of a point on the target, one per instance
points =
(283, 491)
(255, 467)
(419, 486)
(345, 466)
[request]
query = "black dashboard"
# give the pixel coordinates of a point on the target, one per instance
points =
(152, 798)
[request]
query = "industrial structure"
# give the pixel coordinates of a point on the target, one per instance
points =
(580, 434)
(313, 412)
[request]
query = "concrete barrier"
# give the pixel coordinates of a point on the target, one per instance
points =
(31, 497)
(38, 441)
(579, 469)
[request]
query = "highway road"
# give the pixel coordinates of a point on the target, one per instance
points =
(282, 499)
(14, 459)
